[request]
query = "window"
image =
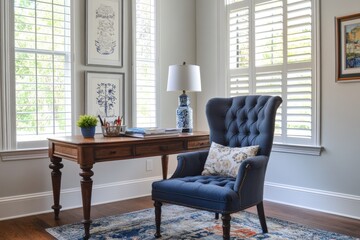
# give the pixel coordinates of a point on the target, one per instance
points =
(40, 71)
(271, 50)
(145, 63)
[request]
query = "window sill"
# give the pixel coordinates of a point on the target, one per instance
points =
(297, 149)
(24, 154)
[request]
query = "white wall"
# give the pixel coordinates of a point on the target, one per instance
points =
(207, 57)
(177, 45)
(329, 182)
(25, 186)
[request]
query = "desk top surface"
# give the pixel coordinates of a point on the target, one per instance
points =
(99, 138)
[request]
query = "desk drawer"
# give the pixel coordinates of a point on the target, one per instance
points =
(199, 143)
(113, 152)
(159, 148)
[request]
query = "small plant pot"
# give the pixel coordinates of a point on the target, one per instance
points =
(88, 132)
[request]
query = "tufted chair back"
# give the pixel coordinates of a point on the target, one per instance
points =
(243, 121)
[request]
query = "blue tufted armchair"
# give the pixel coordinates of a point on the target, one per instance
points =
(234, 122)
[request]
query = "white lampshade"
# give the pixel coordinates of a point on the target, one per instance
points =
(184, 77)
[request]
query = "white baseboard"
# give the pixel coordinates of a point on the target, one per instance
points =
(324, 201)
(31, 204)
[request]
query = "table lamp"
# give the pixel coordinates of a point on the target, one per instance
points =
(184, 78)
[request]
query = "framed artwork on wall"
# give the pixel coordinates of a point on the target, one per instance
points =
(348, 48)
(104, 32)
(104, 95)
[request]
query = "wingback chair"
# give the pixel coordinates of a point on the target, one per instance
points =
(234, 122)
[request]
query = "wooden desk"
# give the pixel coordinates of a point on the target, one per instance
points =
(88, 151)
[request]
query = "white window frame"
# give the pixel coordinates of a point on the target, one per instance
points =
(8, 150)
(310, 149)
(7, 139)
(157, 70)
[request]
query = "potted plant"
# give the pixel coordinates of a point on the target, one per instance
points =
(87, 124)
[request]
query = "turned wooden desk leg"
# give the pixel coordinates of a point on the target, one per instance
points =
(56, 165)
(164, 164)
(86, 189)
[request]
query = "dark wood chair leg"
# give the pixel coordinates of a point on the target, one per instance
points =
(157, 218)
(261, 213)
(216, 215)
(226, 225)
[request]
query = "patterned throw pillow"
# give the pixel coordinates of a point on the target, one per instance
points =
(225, 161)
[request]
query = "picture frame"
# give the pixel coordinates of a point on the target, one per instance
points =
(104, 33)
(348, 48)
(105, 95)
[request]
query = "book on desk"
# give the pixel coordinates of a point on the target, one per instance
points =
(151, 132)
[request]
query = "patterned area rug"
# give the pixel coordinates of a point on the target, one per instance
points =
(185, 223)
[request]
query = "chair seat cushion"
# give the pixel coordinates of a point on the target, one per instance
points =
(213, 193)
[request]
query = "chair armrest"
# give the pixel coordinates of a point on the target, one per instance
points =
(190, 164)
(250, 179)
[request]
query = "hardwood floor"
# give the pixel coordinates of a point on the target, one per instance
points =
(33, 227)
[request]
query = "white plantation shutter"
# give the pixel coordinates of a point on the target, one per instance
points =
(269, 33)
(234, 1)
(42, 42)
(239, 48)
(299, 104)
(239, 85)
(299, 31)
(270, 47)
(145, 67)
(239, 38)
(270, 83)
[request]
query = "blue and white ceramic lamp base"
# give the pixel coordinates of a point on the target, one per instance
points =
(184, 114)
